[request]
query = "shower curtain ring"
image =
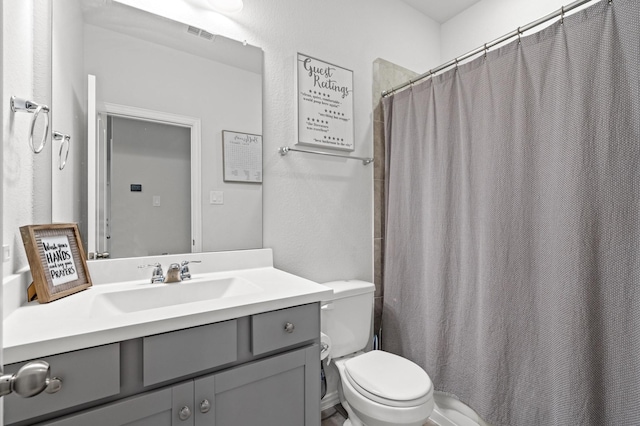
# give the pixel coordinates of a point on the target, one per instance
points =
(485, 51)
(519, 36)
(456, 64)
(562, 15)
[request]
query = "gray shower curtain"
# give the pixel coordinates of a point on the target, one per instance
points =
(512, 259)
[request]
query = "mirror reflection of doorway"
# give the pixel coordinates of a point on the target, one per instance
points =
(147, 182)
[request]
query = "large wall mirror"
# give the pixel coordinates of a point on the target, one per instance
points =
(145, 101)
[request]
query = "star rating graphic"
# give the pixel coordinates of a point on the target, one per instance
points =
(326, 95)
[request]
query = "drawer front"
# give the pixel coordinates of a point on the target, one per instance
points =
(180, 353)
(87, 375)
(286, 327)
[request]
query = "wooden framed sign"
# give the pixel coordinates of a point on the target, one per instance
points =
(325, 104)
(57, 260)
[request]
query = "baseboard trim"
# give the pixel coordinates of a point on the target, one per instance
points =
(329, 400)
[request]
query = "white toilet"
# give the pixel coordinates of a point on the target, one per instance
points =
(378, 388)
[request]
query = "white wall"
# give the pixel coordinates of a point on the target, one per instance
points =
(318, 211)
(26, 176)
(489, 19)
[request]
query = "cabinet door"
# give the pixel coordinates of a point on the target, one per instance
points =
(159, 408)
(283, 390)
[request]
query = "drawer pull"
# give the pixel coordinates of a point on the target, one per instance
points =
(53, 385)
(289, 327)
(205, 406)
(185, 413)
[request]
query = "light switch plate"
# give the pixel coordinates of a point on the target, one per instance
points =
(156, 201)
(6, 253)
(216, 197)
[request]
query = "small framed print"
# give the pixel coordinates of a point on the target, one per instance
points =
(242, 157)
(57, 260)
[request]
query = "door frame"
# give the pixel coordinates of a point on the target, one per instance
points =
(194, 124)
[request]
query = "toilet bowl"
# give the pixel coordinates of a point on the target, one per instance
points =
(382, 389)
(378, 388)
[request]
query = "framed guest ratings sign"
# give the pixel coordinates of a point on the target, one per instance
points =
(325, 104)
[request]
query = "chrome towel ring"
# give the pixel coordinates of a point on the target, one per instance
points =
(23, 105)
(64, 145)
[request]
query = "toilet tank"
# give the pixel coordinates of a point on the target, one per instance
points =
(347, 317)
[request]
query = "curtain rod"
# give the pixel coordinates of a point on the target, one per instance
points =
(515, 33)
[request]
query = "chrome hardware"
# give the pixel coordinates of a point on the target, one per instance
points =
(185, 274)
(185, 413)
(103, 255)
(289, 327)
(205, 406)
(173, 273)
(30, 380)
(23, 105)
(157, 276)
(284, 150)
(66, 141)
(54, 385)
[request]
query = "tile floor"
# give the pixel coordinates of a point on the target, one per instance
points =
(332, 417)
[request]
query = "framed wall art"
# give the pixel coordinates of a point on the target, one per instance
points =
(325, 104)
(242, 157)
(57, 260)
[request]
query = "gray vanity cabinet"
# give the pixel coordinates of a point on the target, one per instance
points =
(278, 391)
(272, 392)
(263, 369)
(158, 408)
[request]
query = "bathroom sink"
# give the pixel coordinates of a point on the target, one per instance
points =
(153, 296)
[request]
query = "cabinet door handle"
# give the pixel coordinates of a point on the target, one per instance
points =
(205, 406)
(185, 413)
(289, 327)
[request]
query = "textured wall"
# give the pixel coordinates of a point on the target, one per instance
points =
(318, 212)
(489, 19)
(26, 176)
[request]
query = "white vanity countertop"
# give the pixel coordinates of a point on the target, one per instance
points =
(78, 321)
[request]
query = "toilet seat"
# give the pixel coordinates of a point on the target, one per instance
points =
(389, 379)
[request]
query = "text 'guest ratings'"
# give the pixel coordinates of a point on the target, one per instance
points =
(325, 104)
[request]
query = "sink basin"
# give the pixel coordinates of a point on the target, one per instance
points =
(153, 296)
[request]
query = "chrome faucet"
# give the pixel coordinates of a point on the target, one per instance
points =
(177, 272)
(185, 274)
(157, 276)
(173, 274)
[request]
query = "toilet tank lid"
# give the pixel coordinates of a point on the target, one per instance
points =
(348, 288)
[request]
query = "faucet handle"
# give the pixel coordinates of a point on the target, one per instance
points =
(185, 274)
(158, 275)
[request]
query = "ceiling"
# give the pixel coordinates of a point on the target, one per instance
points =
(440, 11)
